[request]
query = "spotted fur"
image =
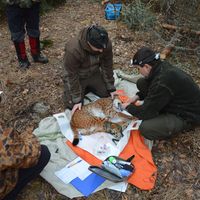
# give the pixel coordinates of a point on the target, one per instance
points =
(99, 116)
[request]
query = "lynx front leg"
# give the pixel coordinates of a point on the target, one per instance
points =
(124, 116)
(114, 129)
(124, 125)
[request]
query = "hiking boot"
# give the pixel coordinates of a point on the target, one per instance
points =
(21, 55)
(40, 58)
(24, 63)
(35, 51)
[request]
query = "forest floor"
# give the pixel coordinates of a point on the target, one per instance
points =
(177, 159)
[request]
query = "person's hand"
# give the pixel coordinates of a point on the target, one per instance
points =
(124, 105)
(75, 107)
(113, 94)
(133, 99)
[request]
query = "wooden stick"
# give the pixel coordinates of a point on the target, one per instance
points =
(182, 29)
(166, 52)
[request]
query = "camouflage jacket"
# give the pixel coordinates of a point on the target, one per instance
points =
(16, 151)
(21, 3)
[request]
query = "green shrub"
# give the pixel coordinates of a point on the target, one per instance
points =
(49, 4)
(138, 16)
(45, 5)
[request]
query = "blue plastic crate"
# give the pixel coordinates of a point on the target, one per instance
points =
(112, 11)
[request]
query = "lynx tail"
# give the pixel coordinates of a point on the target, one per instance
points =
(75, 141)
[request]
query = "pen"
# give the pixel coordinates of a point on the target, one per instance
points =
(72, 164)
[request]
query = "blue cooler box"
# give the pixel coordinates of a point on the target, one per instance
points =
(112, 11)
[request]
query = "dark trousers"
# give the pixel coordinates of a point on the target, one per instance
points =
(162, 127)
(28, 174)
(21, 20)
(94, 84)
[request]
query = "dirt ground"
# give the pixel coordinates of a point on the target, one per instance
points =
(178, 159)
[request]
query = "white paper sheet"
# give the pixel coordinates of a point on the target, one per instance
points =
(76, 168)
(66, 175)
(64, 124)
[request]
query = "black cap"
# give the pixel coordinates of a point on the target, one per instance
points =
(97, 36)
(144, 56)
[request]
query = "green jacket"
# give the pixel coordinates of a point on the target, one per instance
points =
(170, 90)
(81, 62)
(21, 3)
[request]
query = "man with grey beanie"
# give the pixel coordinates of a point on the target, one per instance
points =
(88, 66)
(171, 99)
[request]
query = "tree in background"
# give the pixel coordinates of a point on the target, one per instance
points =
(174, 22)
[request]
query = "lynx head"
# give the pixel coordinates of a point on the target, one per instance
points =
(117, 104)
(114, 129)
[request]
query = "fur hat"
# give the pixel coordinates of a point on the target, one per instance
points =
(97, 36)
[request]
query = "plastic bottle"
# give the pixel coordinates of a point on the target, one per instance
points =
(125, 173)
(111, 168)
(112, 160)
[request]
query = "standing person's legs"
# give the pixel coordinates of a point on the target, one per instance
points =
(16, 23)
(162, 127)
(28, 174)
(33, 20)
(33, 31)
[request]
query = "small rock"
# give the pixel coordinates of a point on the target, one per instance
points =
(41, 108)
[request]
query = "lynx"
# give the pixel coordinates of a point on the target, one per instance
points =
(99, 116)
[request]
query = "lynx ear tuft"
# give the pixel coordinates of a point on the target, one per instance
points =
(75, 141)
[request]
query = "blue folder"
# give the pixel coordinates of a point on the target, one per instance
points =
(89, 184)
